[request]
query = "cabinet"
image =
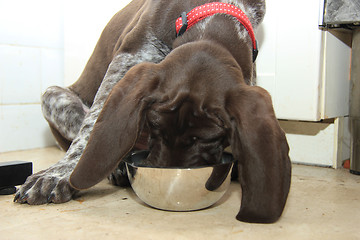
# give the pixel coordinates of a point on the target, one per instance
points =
(307, 72)
(305, 69)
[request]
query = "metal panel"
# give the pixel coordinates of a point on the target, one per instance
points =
(336, 75)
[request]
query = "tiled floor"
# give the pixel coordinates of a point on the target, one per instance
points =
(323, 204)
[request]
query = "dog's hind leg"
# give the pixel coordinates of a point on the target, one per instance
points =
(65, 112)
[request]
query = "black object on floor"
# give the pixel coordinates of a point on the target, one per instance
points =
(13, 173)
(7, 190)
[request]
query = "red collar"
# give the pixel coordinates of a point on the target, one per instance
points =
(186, 21)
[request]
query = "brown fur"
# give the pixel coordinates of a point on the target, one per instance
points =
(192, 104)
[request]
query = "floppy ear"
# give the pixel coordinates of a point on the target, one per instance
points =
(117, 127)
(219, 173)
(260, 145)
(218, 176)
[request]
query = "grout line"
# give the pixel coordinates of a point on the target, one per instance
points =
(17, 104)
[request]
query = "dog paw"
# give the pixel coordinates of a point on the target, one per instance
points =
(119, 176)
(45, 187)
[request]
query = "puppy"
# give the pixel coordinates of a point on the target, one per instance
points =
(182, 87)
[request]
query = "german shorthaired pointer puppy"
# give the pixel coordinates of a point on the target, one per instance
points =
(182, 87)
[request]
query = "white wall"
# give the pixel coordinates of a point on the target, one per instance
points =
(31, 58)
(81, 33)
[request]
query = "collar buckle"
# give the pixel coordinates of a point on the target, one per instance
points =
(184, 24)
(255, 51)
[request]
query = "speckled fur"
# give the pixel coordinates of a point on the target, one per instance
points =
(65, 110)
(52, 185)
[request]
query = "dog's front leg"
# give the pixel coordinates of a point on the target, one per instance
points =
(52, 184)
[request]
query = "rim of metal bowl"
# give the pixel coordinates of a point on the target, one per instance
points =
(134, 160)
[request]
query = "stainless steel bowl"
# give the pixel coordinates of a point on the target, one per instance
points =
(179, 189)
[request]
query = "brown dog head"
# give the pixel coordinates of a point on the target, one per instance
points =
(194, 104)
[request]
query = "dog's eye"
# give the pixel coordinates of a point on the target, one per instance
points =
(192, 140)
